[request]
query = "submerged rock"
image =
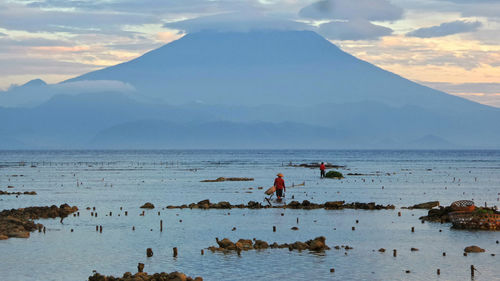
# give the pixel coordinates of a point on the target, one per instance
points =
(221, 179)
(143, 276)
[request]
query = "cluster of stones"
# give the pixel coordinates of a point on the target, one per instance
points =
(143, 276)
(221, 179)
(19, 222)
(17, 193)
(332, 205)
(225, 245)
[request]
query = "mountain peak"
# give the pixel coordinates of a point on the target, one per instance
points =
(34, 83)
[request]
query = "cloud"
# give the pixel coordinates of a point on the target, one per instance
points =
(241, 21)
(353, 30)
(466, 88)
(445, 29)
(373, 10)
(2, 34)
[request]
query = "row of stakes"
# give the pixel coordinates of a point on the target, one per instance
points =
(149, 251)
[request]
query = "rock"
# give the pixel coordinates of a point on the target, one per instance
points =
(413, 249)
(334, 204)
(259, 244)
(382, 250)
(4, 237)
(294, 228)
(426, 205)
(474, 249)
(143, 276)
(246, 244)
(226, 244)
(148, 205)
(19, 222)
(223, 205)
(221, 179)
(317, 244)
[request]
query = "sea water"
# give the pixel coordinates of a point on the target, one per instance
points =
(119, 181)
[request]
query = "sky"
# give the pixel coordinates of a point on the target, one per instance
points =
(450, 45)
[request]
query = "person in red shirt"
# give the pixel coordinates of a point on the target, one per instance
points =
(322, 170)
(279, 183)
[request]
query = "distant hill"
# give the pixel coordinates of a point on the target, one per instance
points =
(288, 89)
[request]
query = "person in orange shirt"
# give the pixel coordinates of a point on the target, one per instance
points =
(279, 184)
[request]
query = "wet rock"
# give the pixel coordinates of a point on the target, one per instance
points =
(413, 249)
(426, 205)
(316, 165)
(474, 249)
(259, 244)
(17, 193)
(143, 276)
(294, 228)
(334, 204)
(148, 205)
(226, 244)
(317, 244)
(18, 223)
(244, 244)
(222, 179)
(382, 250)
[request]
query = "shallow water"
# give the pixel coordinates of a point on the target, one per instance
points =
(109, 180)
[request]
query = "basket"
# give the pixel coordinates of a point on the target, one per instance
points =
(472, 220)
(271, 190)
(463, 206)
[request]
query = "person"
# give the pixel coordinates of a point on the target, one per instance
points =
(279, 183)
(322, 170)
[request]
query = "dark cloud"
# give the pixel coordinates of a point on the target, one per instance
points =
(445, 29)
(238, 22)
(373, 10)
(353, 30)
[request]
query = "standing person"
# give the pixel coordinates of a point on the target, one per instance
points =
(279, 183)
(322, 170)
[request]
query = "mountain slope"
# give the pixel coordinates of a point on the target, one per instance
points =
(267, 67)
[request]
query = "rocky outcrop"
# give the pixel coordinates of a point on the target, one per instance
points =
(316, 165)
(306, 205)
(474, 249)
(143, 276)
(19, 223)
(438, 215)
(426, 205)
(221, 179)
(17, 193)
(148, 205)
(317, 244)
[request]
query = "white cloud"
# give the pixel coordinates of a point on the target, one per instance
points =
(356, 29)
(241, 21)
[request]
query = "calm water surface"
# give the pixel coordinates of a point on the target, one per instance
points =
(110, 180)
